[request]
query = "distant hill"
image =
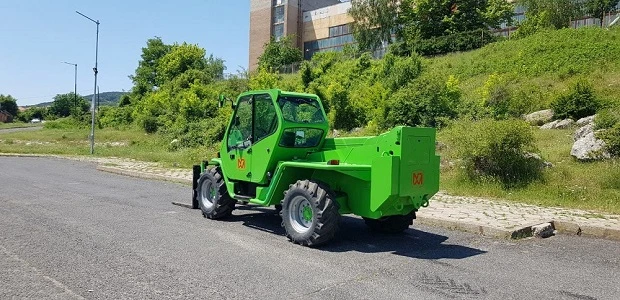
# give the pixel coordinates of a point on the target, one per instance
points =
(105, 99)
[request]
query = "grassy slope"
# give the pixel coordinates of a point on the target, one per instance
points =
(569, 183)
(546, 63)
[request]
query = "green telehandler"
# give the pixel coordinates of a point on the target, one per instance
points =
(276, 152)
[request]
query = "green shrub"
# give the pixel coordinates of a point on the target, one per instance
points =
(527, 99)
(502, 100)
(496, 97)
(115, 117)
(263, 79)
(462, 41)
(198, 133)
(150, 124)
(399, 71)
(578, 103)
(496, 151)
(607, 118)
(425, 102)
(67, 123)
(343, 114)
(611, 136)
(305, 69)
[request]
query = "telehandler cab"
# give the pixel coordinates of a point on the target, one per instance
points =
(276, 152)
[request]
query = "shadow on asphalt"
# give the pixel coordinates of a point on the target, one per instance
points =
(355, 236)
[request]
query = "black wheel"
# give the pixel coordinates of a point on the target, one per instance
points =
(309, 213)
(213, 198)
(391, 224)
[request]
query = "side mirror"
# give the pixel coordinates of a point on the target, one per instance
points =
(223, 99)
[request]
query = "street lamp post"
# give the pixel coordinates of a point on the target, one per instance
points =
(92, 125)
(74, 86)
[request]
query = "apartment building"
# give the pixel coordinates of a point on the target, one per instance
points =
(325, 25)
(319, 25)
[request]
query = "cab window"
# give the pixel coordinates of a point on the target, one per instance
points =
(265, 117)
(240, 132)
(301, 110)
(301, 138)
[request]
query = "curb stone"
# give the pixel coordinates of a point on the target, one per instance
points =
(567, 227)
(143, 175)
(544, 230)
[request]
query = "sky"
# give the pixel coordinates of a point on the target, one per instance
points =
(37, 36)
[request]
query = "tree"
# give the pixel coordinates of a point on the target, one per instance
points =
(558, 13)
(64, 105)
(124, 101)
(184, 94)
(8, 104)
(434, 18)
(498, 12)
(146, 74)
(185, 57)
(534, 23)
(598, 8)
(375, 22)
(32, 113)
(279, 53)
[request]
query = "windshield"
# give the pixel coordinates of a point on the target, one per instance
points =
(301, 110)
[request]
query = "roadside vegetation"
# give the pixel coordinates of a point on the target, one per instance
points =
(130, 143)
(475, 98)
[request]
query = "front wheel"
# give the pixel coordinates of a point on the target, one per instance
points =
(213, 198)
(391, 224)
(310, 213)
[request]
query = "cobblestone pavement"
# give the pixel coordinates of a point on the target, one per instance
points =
(511, 219)
(487, 217)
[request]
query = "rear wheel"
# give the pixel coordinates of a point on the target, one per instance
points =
(391, 224)
(213, 198)
(310, 213)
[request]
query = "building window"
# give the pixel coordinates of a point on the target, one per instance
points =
(340, 30)
(278, 31)
(277, 2)
(335, 43)
(278, 14)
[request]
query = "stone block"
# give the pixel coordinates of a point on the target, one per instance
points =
(544, 230)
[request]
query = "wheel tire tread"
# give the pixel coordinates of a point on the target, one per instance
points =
(224, 205)
(327, 215)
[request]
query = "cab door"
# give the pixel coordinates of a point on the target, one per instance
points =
(265, 137)
(238, 159)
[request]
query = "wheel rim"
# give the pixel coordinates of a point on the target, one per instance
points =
(301, 215)
(207, 194)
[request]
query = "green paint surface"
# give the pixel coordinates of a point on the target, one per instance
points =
(391, 174)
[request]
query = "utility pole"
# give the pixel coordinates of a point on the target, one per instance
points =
(92, 125)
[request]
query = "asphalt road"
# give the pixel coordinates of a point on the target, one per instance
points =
(68, 231)
(9, 130)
